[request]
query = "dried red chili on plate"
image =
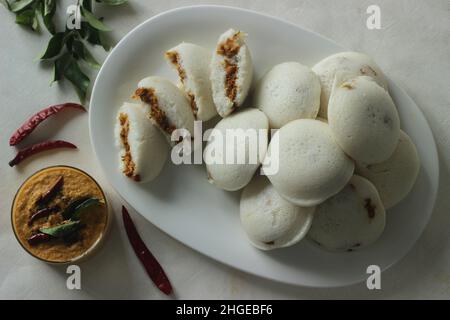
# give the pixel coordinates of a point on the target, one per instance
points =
(151, 265)
(28, 126)
(40, 147)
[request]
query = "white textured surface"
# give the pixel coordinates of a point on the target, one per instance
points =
(412, 48)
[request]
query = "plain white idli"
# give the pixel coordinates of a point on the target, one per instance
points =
(192, 62)
(287, 92)
(143, 149)
(269, 220)
(231, 72)
(311, 166)
(231, 138)
(352, 219)
(169, 106)
(364, 120)
(395, 177)
(352, 64)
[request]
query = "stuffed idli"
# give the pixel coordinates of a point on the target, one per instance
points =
(169, 106)
(192, 63)
(231, 72)
(352, 219)
(143, 148)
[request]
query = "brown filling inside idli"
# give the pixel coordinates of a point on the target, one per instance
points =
(148, 96)
(129, 165)
(370, 207)
(193, 104)
(229, 49)
(231, 70)
(174, 58)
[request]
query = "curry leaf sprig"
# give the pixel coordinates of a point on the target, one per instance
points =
(28, 11)
(68, 49)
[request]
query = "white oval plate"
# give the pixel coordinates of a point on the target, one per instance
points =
(183, 204)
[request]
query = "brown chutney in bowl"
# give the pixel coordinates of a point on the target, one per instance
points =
(58, 192)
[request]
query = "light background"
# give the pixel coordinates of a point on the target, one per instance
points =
(413, 48)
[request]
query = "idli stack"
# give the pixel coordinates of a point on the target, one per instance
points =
(329, 122)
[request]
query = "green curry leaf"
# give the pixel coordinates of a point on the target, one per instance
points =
(83, 206)
(59, 66)
(77, 207)
(48, 11)
(93, 21)
(61, 230)
(6, 4)
(25, 17)
(54, 46)
(68, 212)
(79, 80)
(20, 5)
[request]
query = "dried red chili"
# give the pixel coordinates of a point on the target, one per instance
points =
(32, 122)
(39, 147)
(39, 238)
(151, 265)
(42, 213)
(51, 192)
